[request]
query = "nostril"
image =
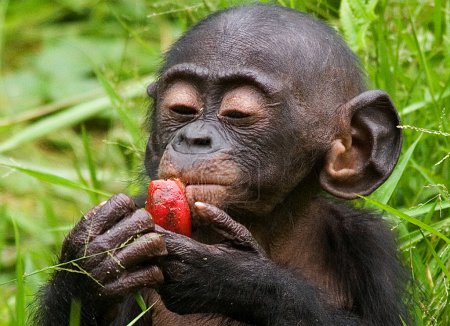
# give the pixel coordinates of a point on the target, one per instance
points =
(197, 138)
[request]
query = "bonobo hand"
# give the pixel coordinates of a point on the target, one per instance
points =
(113, 250)
(196, 273)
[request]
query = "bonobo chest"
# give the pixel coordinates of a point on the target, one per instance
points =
(305, 249)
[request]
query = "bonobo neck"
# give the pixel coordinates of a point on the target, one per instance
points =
(299, 208)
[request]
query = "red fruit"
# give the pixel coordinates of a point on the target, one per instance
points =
(167, 204)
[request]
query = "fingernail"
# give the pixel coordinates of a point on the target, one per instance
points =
(199, 204)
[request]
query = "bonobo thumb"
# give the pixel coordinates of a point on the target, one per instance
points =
(223, 224)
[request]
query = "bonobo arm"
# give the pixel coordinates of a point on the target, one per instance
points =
(110, 253)
(235, 279)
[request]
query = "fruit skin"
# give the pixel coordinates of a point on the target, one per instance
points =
(167, 204)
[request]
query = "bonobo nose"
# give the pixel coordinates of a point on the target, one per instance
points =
(197, 138)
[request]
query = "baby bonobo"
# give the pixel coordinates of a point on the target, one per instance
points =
(260, 111)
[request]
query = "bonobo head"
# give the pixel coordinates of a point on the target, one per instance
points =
(255, 101)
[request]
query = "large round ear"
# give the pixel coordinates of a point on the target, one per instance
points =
(366, 147)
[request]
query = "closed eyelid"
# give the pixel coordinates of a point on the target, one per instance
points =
(181, 93)
(245, 98)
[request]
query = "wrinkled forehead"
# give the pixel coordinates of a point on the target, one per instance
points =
(218, 50)
(279, 45)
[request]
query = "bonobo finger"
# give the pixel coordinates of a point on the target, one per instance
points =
(123, 232)
(146, 277)
(223, 224)
(104, 216)
(177, 244)
(142, 249)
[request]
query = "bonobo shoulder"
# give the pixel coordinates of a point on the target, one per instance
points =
(364, 256)
(355, 223)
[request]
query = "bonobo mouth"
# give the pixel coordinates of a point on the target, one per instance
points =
(205, 187)
(214, 194)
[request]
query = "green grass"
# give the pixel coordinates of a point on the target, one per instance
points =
(73, 106)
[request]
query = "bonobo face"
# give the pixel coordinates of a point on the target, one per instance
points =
(250, 102)
(228, 120)
(225, 134)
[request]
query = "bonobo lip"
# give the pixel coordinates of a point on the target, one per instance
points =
(214, 194)
(197, 179)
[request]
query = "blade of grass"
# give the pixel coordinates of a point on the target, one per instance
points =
(437, 258)
(20, 290)
(75, 313)
(55, 179)
(63, 170)
(65, 119)
(415, 236)
(135, 320)
(71, 116)
(422, 104)
(384, 193)
(48, 109)
(3, 8)
(425, 208)
(412, 238)
(383, 50)
(444, 255)
(437, 20)
(90, 161)
(132, 126)
(423, 60)
(428, 217)
(140, 301)
(407, 218)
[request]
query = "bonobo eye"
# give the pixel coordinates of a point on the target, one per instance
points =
(242, 105)
(180, 101)
(184, 110)
(236, 115)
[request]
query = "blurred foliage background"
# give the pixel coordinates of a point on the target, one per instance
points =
(73, 110)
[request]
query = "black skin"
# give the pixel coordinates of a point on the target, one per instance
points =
(258, 109)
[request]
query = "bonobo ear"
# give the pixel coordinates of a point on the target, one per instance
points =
(151, 90)
(366, 148)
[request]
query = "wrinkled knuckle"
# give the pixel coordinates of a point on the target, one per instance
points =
(154, 244)
(99, 275)
(144, 220)
(121, 201)
(155, 274)
(98, 247)
(112, 290)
